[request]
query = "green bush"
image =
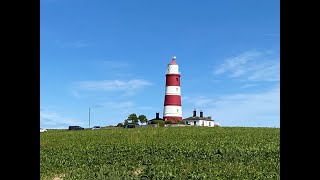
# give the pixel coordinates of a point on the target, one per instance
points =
(180, 122)
(160, 122)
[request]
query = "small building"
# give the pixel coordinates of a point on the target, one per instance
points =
(156, 118)
(199, 121)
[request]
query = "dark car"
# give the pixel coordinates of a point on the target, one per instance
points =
(129, 126)
(75, 128)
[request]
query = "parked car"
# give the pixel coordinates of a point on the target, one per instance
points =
(75, 128)
(129, 126)
(96, 127)
(43, 130)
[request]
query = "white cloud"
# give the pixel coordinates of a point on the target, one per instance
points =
(259, 109)
(112, 85)
(248, 85)
(251, 65)
(75, 93)
(233, 64)
(54, 120)
(127, 88)
(266, 72)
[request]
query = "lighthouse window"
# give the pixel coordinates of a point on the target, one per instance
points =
(177, 110)
(177, 89)
(177, 79)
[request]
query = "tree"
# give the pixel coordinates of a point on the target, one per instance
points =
(133, 117)
(143, 119)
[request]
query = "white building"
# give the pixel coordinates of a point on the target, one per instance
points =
(200, 121)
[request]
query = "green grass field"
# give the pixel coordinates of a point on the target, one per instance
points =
(161, 153)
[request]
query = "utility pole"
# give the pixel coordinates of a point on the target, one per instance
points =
(89, 117)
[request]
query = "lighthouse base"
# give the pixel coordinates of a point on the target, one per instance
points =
(172, 119)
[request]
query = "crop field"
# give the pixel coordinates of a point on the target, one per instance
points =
(161, 153)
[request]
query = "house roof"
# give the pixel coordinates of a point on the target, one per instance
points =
(199, 118)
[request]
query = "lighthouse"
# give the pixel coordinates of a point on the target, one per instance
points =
(172, 102)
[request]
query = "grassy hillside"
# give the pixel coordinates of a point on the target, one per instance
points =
(161, 153)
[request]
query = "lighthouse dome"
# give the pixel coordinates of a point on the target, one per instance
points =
(173, 62)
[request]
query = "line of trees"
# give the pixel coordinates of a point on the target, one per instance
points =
(135, 119)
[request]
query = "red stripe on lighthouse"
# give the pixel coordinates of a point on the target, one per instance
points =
(172, 79)
(172, 100)
(173, 119)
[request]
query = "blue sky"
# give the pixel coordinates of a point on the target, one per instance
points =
(111, 57)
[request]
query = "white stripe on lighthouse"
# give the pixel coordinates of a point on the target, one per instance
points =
(172, 111)
(172, 90)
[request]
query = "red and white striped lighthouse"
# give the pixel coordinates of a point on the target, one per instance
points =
(172, 102)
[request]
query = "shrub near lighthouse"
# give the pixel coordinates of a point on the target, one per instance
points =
(172, 102)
